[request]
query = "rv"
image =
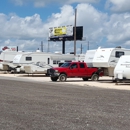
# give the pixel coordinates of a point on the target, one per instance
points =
(122, 69)
(107, 58)
(80, 57)
(6, 59)
(37, 68)
(89, 57)
(29, 61)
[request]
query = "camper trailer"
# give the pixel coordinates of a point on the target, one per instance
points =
(28, 62)
(37, 68)
(107, 58)
(6, 59)
(89, 57)
(122, 69)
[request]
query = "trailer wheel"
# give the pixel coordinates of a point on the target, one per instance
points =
(85, 79)
(62, 78)
(95, 77)
(54, 78)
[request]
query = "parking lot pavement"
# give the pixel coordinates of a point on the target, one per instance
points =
(104, 82)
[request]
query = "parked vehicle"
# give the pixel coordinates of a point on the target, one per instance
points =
(122, 69)
(74, 69)
(37, 68)
(28, 61)
(6, 60)
(89, 57)
(107, 58)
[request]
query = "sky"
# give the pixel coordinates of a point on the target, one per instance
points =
(26, 23)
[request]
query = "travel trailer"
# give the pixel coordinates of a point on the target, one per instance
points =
(6, 59)
(29, 61)
(89, 57)
(80, 57)
(37, 68)
(107, 58)
(122, 69)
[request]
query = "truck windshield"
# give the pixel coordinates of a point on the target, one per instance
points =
(67, 64)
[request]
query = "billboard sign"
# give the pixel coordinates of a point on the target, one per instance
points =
(63, 31)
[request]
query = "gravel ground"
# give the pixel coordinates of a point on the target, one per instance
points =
(56, 106)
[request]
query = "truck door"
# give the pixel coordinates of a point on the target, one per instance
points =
(82, 69)
(74, 71)
(88, 71)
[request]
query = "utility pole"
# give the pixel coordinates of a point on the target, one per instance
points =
(81, 49)
(48, 46)
(75, 32)
(41, 46)
(88, 45)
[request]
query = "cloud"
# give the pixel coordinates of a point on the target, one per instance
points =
(118, 5)
(117, 28)
(32, 27)
(16, 27)
(65, 17)
(28, 32)
(42, 3)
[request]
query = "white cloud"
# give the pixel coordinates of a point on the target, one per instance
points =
(41, 3)
(15, 27)
(117, 28)
(19, 2)
(65, 17)
(118, 5)
(28, 32)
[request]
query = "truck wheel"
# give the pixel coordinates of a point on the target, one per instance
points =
(94, 77)
(85, 79)
(54, 78)
(62, 78)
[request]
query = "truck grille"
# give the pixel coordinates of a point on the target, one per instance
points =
(50, 71)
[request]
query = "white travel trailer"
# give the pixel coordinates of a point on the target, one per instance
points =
(122, 69)
(29, 61)
(89, 57)
(6, 60)
(37, 68)
(107, 58)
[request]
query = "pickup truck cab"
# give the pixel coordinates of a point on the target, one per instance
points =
(74, 69)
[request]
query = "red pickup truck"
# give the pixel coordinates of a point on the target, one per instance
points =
(74, 69)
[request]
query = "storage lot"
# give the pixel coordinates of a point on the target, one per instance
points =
(104, 82)
(61, 106)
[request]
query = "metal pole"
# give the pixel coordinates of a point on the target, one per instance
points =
(48, 46)
(88, 45)
(75, 33)
(63, 46)
(41, 46)
(81, 48)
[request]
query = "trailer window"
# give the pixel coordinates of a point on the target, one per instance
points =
(28, 58)
(119, 54)
(82, 65)
(56, 61)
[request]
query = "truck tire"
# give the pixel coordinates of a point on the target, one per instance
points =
(54, 78)
(62, 78)
(95, 77)
(85, 79)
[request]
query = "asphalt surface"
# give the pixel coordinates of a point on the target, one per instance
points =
(57, 106)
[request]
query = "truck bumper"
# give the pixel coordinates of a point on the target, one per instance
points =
(52, 73)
